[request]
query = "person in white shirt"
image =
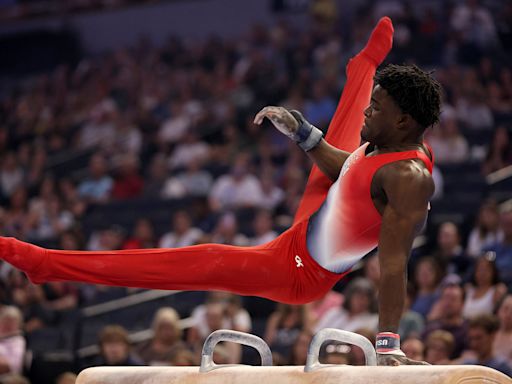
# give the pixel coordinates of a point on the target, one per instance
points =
(12, 342)
(182, 234)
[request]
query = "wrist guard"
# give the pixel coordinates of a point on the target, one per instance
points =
(388, 343)
(307, 136)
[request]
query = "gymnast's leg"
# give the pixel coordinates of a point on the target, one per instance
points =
(344, 129)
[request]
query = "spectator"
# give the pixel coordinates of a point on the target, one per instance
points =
(449, 318)
(154, 185)
(12, 342)
(332, 299)
(193, 181)
(166, 338)
(262, 225)
(272, 194)
(450, 252)
(11, 174)
(285, 325)
(115, 347)
(487, 230)
(503, 341)
(412, 323)
(182, 234)
(481, 336)
(485, 290)
(499, 153)
(439, 347)
(299, 350)
(358, 309)
(143, 236)
(427, 276)
(413, 349)
(175, 127)
(226, 231)
(190, 149)
(128, 183)
(503, 248)
(237, 190)
(448, 144)
(98, 186)
(99, 128)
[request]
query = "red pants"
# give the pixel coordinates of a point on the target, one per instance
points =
(280, 270)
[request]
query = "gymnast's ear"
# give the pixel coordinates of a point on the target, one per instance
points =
(405, 121)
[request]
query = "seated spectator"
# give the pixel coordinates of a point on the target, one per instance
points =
(190, 149)
(448, 144)
(157, 176)
(238, 189)
(487, 229)
(449, 318)
(450, 252)
(272, 195)
(485, 290)
(115, 347)
(166, 338)
(481, 336)
(175, 127)
(99, 128)
(97, 187)
(503, 341)
(358, 309)
(11, 174)
(226, 231)
(60, 296)
(299, 350)
(413, 348)
(499, 152)
(439, 347)
(332, 299)
(193, 181)
(285, 325)
(503, 248)
(262, 226)
(12, 342)
(128, 183)
(143, 236)
(427, 276)
(182, 233)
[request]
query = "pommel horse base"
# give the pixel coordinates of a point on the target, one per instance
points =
(312, 373)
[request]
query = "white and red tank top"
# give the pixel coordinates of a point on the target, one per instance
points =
(347, 225)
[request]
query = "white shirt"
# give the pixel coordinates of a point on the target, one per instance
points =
(171, 240)
(340, 319)
(231, 193)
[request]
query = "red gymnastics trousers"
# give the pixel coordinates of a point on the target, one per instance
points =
(281, 270)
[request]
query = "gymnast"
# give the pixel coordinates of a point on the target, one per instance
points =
(357, 198)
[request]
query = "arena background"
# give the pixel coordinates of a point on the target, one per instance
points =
(128, 124)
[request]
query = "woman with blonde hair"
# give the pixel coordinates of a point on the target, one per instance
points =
(166, 338)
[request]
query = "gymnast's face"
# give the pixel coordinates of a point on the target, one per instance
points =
(382, 118)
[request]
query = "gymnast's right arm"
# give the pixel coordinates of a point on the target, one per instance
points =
(327, 157)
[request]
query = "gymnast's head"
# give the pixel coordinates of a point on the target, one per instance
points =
(405, 101)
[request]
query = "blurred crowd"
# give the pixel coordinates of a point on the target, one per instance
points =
(174, 122)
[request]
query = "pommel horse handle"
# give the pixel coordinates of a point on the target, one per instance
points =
(216, 337)
(325, 334)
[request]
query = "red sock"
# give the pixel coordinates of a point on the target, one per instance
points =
(380, 42)
(23, 256)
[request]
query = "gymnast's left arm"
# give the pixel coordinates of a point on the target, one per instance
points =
(408, 190)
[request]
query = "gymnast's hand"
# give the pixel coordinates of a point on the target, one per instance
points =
(293, 125)
(395, 360)
(387, 345)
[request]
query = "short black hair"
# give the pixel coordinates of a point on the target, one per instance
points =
(415, 91)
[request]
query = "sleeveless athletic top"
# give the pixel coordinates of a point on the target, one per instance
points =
(484, 304)
(347, 225)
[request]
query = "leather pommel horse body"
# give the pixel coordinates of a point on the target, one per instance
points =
(312, 373)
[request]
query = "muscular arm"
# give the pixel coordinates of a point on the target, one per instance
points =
(328, 158)
(408, 188)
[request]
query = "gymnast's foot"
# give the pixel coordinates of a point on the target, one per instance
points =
(23, 256)
(381, 41)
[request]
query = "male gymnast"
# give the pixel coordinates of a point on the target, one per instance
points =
(357, 198)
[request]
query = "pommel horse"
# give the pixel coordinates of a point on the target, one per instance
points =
(312, 373)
